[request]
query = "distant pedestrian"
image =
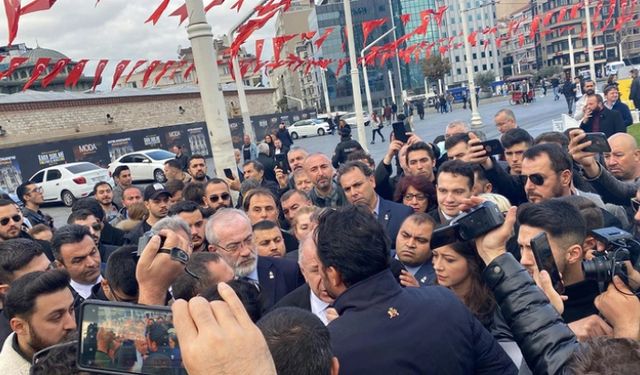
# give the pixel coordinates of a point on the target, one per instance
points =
(450, 100)
(394, 111)
(464, 99)
(387, 113)
(376, 126)
(181, 157)
(420, 109)
(569, 92)
(284, 136)
(555, 85)
(634, 94)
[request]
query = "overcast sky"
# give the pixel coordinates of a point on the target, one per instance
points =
(115, 30)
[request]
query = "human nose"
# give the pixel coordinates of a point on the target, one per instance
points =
(526, 258)
(69, 323)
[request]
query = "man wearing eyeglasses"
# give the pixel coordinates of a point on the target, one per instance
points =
(31, 195)
(10, 221)
(229, 234)
(217, 194)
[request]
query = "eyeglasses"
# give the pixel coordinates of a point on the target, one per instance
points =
(635, 205)
(96, 227)
(36, 190)
(214, 198)
(418, 197)
(234, 247)
(536, 179)
(15, 218)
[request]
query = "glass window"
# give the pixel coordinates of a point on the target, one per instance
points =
(79, 168)
(53, 174)
(38, 177)
(160, 155)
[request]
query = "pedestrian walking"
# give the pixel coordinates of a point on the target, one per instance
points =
(376, 126)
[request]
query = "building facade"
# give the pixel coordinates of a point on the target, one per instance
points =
(517, 58)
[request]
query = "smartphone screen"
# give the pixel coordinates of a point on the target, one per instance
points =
(599, 142)
(121, 338)
(544, 260)
(493, 147)
(400, 132)
(228, 174)
(281, 162)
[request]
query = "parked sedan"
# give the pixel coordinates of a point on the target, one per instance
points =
(350, 119)
(307, 128)
(145, 164)
(68, 182)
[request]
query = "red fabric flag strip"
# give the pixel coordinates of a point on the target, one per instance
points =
(499, 42)
(164, 70)
(244, 67)
(120, 67)
(308, 35)
(439, 14)
(136, 66)
(36, 6)
(75, 73)
(176, 68)
(41, 66)
(575, 9)
(307, 68)
(561, 14)
(248, 28)
(485, 44)
(405, 18)
(13, 65)
(278, 43)
(324, 63)
(521, 40)
(596, 14)
(155, 16)
(237, 5)
(535, 24)
(57, 68)
(323, 37)
(424, 22)
(98, 74)
(259, 46)
(147, 74)
(443, 49)
(212, 4)
(547, 17)
(189, 69)
(341, 64)
(180, 12)
(612, 7)
(369, 26)
(472, 38)
(12, 10)
(272, 5)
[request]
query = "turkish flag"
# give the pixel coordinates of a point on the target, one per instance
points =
(166, 67)
(308, 35)
(41, 66)
(341, 64)
(405, 18)
(98, 74)
(547, 17)
(75, 73)
(472, 38)
(122, 65)
(439, 14)
(147, 74)
(259, 46)
(136, 66)
(561, 14)
(213, 4)
(188, 71)
(155, 16)
(180, 12)
(424, 17)
(535, 24)
(54, 72)
(278, 42)
(521, 40)
(323, 37)
(13, 65)
(12, 10)
(575, 9)
(37, 5)
(175, 69)
(369, 26)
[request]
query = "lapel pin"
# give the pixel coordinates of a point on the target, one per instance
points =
(271, 277)
(423, 279)
(392, 312)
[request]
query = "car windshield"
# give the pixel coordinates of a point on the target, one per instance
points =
(160, 155)
(82, 167)
(317, 121)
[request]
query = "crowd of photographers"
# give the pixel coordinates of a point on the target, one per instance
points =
(466, 255)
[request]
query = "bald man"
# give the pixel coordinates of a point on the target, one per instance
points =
(624, 159)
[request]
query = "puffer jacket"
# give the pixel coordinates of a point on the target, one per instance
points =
(545, 340)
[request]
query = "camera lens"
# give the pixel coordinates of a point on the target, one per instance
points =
(598, 269)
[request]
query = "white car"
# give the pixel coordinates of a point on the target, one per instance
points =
(145, 164)
(67, 182)
(350, 119)
(307, 128)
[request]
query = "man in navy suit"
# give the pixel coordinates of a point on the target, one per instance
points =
(455, 184)
(229, 234)
(413, 247)
(358, 182)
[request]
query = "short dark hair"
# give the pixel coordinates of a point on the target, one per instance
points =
(7, 202)
(120, 271)
(558, 218)
(591, 213)
(298, 341)
(21, 298)
(553, 137)
(193, 157)
(173, 163)
(119, 169)
(15, 254)
(259, 167)
(606, 356)
(158, 333)
(361, 155)
(613, 86)
(418, 182)
(515, 136)
(458, 168)
(455, 139)
(291, 192)
(258, 192)
(264, 225)
(215, 181)
(420, 146)
(559, 158)
(351, 240)
(352, 165)
(21, 190)
(100, 183)
(82, 214)
(248, 294)
(194, 192)
(186, 286)
(174, 186)
(91, 205)
(183, 206)
(69, 234)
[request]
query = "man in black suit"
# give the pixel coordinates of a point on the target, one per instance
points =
(455, 183)
(359, 184)
(311, 296)
(229, 234)
(413, 247)
(598, 118)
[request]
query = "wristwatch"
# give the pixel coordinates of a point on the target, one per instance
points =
(176, 254)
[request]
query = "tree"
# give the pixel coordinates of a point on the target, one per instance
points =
(435, 67)
(548, 72)
(485, 79)
(282, 104)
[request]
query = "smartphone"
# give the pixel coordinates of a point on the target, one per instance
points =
(544, 259)
(281, 162)
(400, 132)
(228, 174)
(124, 338)
(493, 147)
(599, 142)
(145, 238)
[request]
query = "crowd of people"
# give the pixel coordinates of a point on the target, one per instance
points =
(324, 264)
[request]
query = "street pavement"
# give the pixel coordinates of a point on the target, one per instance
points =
(536, 118)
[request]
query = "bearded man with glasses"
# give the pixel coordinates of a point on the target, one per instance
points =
(32, 197)
(217, 194)
(10, 221)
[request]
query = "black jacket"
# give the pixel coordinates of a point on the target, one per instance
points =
(391, 215)
(277, 278)
(545, 340)
(610, 123)
(343, 149)
(385, 184)
(111, 235)
(634, 93)
(269, 166)
(284, 137)
(300, 297)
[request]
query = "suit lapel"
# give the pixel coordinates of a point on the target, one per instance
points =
(384, 213)
(267, 279)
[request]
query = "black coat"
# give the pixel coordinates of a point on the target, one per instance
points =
(610, 123)
(277, 278)
(284, 137)
(391, 215)
(300, 298)
(386, 329)
(269, 166)
(343, 149)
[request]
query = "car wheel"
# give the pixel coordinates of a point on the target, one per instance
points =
(158, 176)
(67, 198)
(321, 132)
(294, 135)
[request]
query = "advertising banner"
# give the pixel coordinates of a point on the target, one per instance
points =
(51, 158)
(10, 174)
(198, 141)
(119, 147)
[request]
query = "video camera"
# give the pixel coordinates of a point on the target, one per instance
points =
(620, 247)
(479, 220)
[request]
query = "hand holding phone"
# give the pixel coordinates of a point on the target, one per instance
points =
(599, 143)
(493, 147)
(228, 174)
(545, 261)
(400, 132)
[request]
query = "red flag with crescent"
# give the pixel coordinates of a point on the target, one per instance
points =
(57, 68)
(98, 74)
(323, 37)
(75, 73)
(12, 10)
(13, 65)
(369, 26)
(424, 22)
(164, 70)
(278, 42)
(439, 14)
(122, 65)
(147, 74)
(175, 69)
(155, 16)
(259, 46)
(41, 66)
(136, 66)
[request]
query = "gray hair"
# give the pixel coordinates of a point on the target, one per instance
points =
(248, 184)
(172, 223)
(223, 216)
(456, 123)
(263, 148)
(507, 112)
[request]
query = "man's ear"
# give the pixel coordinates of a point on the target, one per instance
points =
(566, 177)
(334, 277)
(19, 326)
(575, 254)
(4, 289)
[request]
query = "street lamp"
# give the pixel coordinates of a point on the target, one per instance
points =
(215, 114)
(592, 66)
(325, 90)
(364, 68)
(620, 47)
(355, 78)
(395, 39)
(476, 120)
(297, 100)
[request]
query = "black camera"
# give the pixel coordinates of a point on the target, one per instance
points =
(619, 247)
(481, 219)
